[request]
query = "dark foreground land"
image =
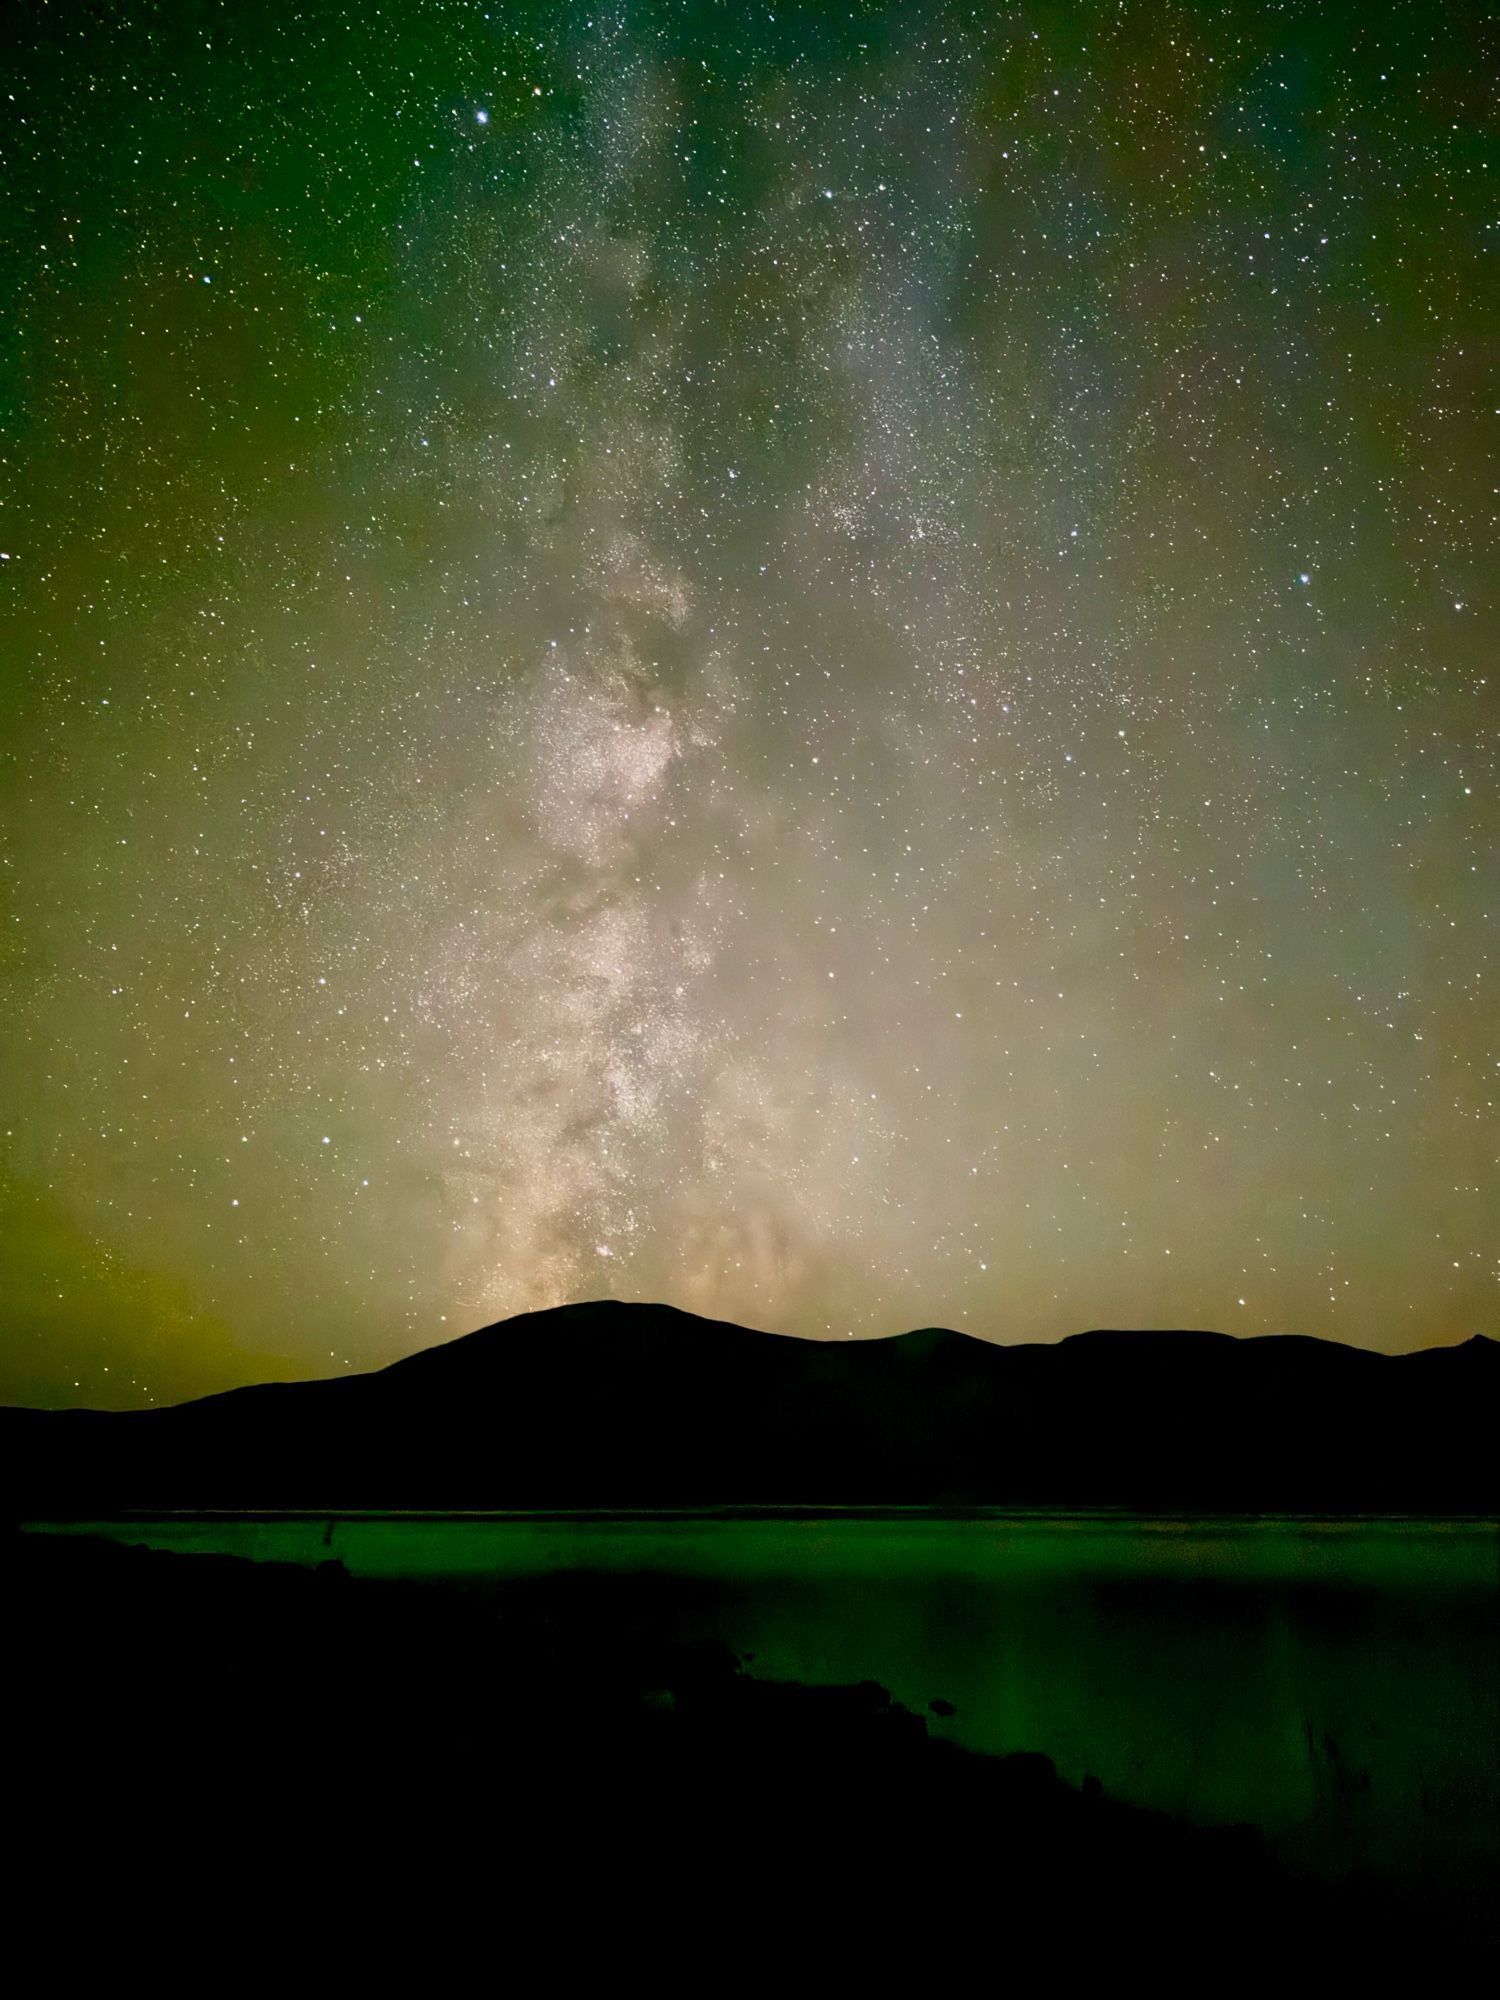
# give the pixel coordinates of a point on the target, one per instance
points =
(212, 1754)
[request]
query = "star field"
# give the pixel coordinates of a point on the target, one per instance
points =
(835, 665)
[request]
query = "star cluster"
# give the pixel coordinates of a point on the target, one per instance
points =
(830, 664)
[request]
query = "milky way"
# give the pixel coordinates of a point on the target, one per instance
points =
(829, 666)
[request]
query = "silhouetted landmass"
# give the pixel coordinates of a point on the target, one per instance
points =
(620, 1406)
(239, 1745)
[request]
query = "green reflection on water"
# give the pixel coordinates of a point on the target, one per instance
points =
(1332, 1682)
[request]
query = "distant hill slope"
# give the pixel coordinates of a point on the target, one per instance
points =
(611, 1405)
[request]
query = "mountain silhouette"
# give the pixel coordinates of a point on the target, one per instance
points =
(610, 1405)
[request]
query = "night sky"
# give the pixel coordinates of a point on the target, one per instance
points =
(825, 663)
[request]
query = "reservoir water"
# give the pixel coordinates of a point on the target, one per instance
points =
(1332, 1682)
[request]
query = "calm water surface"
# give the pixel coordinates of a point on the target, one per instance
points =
(1332, 1682)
